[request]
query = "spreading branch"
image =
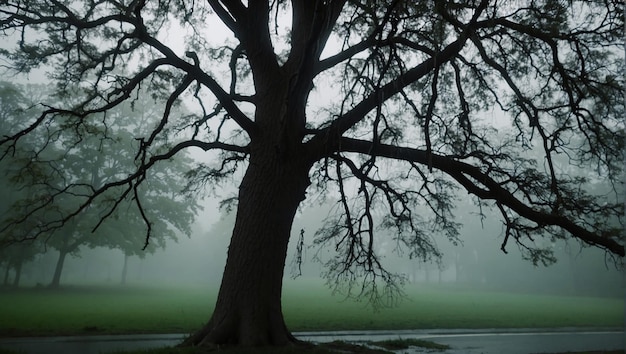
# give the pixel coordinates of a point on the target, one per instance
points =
(484, 187)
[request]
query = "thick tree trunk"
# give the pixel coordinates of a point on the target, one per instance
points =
(124, 269)
(248, 310)
(56, 279)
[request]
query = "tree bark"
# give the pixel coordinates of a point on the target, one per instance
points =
(56, 279)
(248, 310)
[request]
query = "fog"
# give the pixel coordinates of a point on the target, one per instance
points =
(198, 260)
(476, 263)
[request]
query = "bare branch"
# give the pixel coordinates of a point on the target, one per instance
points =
(230, 20)
(483, 186)
(328, 137)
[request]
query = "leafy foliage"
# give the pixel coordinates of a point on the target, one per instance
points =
(59, 179)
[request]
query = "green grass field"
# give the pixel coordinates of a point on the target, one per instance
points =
(307, 307)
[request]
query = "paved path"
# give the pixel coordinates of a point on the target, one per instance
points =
(532, 343)
(89, 344)
(495, 341)
(515, 341)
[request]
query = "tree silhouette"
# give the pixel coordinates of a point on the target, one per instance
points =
(384, 103)
(53, 176)
(13, 103)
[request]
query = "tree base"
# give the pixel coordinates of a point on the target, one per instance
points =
(242, 332)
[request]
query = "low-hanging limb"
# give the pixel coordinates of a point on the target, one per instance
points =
(130, 183)
(484, 187)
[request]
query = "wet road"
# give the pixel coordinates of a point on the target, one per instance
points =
(518, 341)
(510, 341)
(89, 344)
(534, 343)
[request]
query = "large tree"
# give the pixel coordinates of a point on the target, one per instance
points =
(385, 103)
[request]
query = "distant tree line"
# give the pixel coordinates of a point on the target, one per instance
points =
(46, 180)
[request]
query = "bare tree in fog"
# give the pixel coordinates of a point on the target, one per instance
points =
(403, 88)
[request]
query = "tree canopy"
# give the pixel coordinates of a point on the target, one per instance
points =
(47, 181)
(391, 105)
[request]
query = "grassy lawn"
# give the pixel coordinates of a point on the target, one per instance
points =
(99, 310)
(307, 307)
(436, 307)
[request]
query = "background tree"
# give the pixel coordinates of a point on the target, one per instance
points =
(90, 157)
(101, 163)
(14, 104)
(384, 103)
(14, 257)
